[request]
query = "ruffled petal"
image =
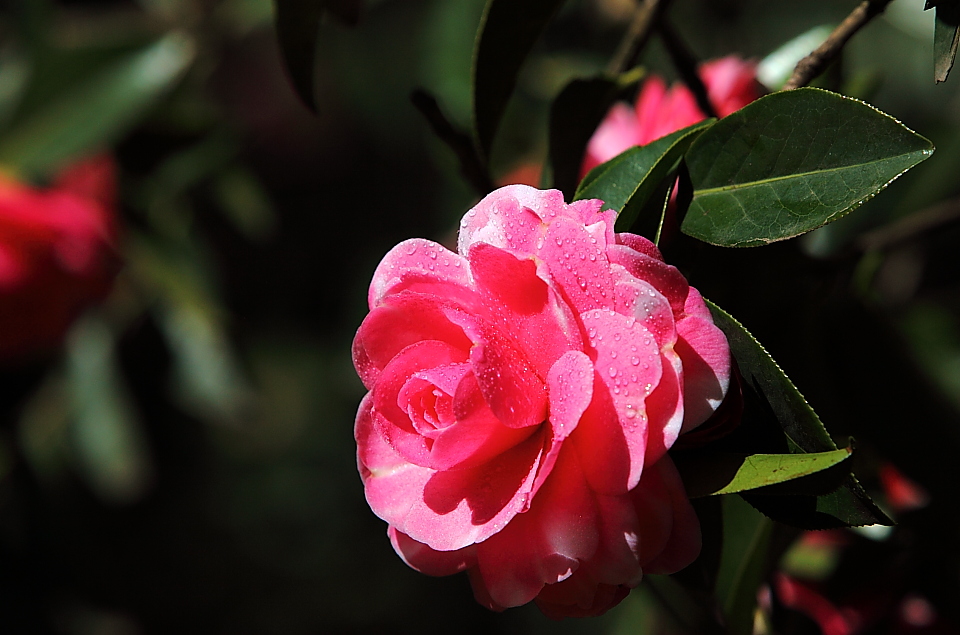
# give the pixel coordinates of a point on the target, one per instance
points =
(706, 362)
(419, 265)
(670, 531)
(430, 561)
(402, 320)
(444, 510)
(543, 545)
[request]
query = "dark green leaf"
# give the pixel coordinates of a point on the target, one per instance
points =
(627, 182)
(298, 29)
(98, 111)
(720, 473)
(803, 428)
(508, 31)
(575, 115)
(946, 36)
(746, 538)
(791, 162)
(848, 504)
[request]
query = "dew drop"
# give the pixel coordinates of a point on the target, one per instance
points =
(635, 360)
(613, 371)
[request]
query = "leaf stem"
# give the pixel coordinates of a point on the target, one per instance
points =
(638, 34)
(810, 67)
(471, 166)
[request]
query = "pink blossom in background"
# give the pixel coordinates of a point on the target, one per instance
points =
(522, 397)
(731, 84)
(57, 255)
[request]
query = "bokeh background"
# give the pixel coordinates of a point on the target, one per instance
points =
(184, 461)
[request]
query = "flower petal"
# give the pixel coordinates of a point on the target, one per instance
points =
(418, 265)
(430, 561)
(706, 362)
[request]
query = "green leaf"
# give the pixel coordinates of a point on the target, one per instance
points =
(107, 435)
(791, 162)
(574, 117)
(845, 506)
(298, 30)
(508, 31)
(946, 36)
(722, 473)
(628, 182)
(98, 111)
(803, 428)
(746, 539)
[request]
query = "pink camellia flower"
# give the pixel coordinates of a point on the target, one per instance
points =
(56, 255)
(731, 84)
(522, 397)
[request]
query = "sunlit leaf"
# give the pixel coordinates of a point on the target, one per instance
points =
(721, 473)
(791, 162)
(98, 111)
(508, 31)
(627, 182)
(574, 116)
(298, 30)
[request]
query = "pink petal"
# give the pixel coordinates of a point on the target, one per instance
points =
(419, 265)
(509, 218)
(543, 545)
(400, 321)
(619, 131)
(649, 104)
(570, 384)
(477, 436)
(666, 279)
(516, 395)
(705, 353)
(539, 323)
(627, 360)
(665, 407)
(670, 531)
(638, 299)
(578, 264)
(444, 510)
(430, 561)
(391, 413)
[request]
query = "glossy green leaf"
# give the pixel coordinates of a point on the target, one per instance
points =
(508, 31)
(98, 111)
(946, 37)
(791, 162)
(846, 505)
(721, 473)
(628, 182)
(746, 539)
(574, 117)
(298, 31)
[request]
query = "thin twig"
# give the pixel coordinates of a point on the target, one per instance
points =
(686, 65)
(462, 145)
(637, 35)
(812, 65)
(920, 222)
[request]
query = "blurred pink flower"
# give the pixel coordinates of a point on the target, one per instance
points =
(523, 395)
(56, 255)
(731, 84)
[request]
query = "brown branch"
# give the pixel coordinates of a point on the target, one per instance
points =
(637, 35)
(471, 167)
(909, 227)
(686, 65)
(810, 67)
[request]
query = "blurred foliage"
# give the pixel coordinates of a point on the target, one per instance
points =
(187, 465)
